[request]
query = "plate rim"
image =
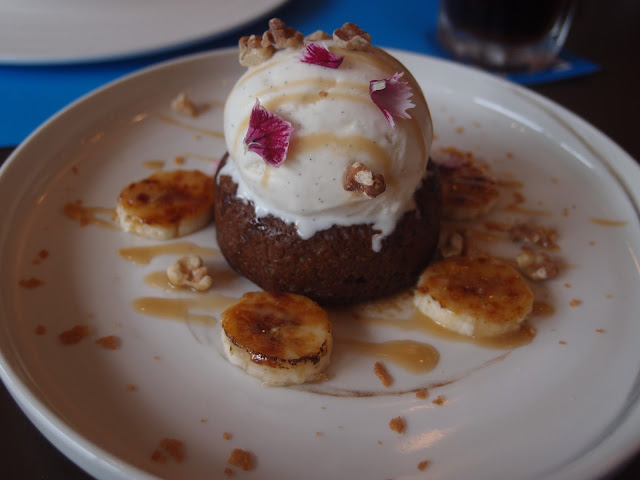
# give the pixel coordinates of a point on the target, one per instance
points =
(83, 452)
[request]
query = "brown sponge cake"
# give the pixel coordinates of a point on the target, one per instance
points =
(328, 189)
(334, 266)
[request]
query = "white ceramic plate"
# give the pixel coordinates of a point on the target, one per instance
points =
(547, 410)
(62, 31)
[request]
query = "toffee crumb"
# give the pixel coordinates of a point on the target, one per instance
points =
(439, 400)
(159, 456)
(173, 447)
(381, 372)
(74, 335)
(423, 464)
(397, 424)
(422, 393)
(110, 342)
(241, 458)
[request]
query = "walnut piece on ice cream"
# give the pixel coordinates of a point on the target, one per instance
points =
(281, 36)
(360, 179)
(352, 37)
(190, 272)
(252, 52)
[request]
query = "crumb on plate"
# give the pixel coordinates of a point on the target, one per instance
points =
(74, 334)
(439, 400)
(422, 393)
(110, 342)
(397, 424)
(382, 373)
(241, 458)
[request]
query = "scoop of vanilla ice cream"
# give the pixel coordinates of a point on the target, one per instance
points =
(335, 123)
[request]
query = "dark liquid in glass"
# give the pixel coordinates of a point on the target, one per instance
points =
(507, 21)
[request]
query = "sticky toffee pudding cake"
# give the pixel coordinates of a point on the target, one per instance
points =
(327, 189)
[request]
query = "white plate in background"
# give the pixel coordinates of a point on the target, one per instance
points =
(548, 410)
(66, 31)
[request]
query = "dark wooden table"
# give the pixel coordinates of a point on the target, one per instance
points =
(605, 32)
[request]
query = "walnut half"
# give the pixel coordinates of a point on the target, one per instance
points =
(351, 37)
(252, 52)
(536, 266)
(281, 36)
(190, 272)
(360, 179)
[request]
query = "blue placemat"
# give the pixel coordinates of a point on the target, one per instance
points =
(31, 94)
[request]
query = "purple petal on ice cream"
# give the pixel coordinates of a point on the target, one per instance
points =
(320, 55)
(392, 96)
(268, 135)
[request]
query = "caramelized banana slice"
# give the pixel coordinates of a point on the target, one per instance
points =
(166, 204)
(467, 191)
(280, 338)
(474, 296)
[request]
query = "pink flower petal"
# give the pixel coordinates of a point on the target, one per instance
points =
(268, 135)
(320, 55)
(392, 96)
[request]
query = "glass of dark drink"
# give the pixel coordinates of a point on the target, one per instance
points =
(505, 35)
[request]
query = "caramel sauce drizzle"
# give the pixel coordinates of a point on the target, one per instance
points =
(542, 309)
(256, 70)
(516, 208)
(266, 174)
(182, 309)
(90, 215)
(419, 322)
(414, 357)
(355, 143)
(399, 313)
(178, 123)
(311, 98)
(144, 255)
(197, 156)
(153, 164)
(321, 83)
(608, 223)
(160, 280)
